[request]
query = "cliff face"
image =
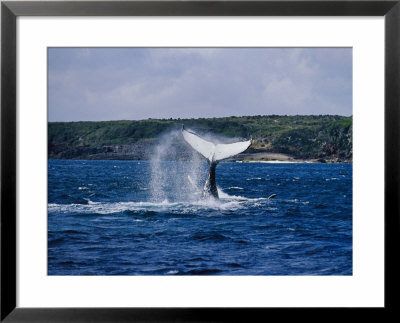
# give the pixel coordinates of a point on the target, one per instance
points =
(316, 138)
(136, 151)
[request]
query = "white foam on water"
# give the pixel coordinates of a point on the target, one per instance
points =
(226, 202)
(254, 179)
(173, 272)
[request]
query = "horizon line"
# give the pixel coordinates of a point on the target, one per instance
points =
(200, 118)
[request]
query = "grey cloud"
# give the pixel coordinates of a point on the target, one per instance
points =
(140, 83)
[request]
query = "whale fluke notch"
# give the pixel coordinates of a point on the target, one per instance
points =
(214, 153)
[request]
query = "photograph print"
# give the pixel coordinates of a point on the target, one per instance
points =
(200, 161)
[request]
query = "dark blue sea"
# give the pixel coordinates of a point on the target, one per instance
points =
(148, 218)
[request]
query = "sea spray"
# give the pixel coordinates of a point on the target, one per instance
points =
(177, 172)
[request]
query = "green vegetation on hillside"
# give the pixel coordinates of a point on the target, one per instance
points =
(305, 137)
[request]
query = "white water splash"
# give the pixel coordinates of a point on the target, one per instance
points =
(225, 203)
(172, 178)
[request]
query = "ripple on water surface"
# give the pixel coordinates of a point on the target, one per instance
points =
(102, 224)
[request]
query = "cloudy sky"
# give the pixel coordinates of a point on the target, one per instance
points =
(95, 84)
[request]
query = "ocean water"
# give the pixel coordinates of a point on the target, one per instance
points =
(148, 218)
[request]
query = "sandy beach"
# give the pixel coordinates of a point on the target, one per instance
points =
(280, 158)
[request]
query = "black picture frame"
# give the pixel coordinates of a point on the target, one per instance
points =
(10, 10)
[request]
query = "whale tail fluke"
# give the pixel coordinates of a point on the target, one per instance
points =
(214, 152)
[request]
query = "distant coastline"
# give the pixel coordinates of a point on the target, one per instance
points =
(273, 158)
(318, 139)
(282, 158)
